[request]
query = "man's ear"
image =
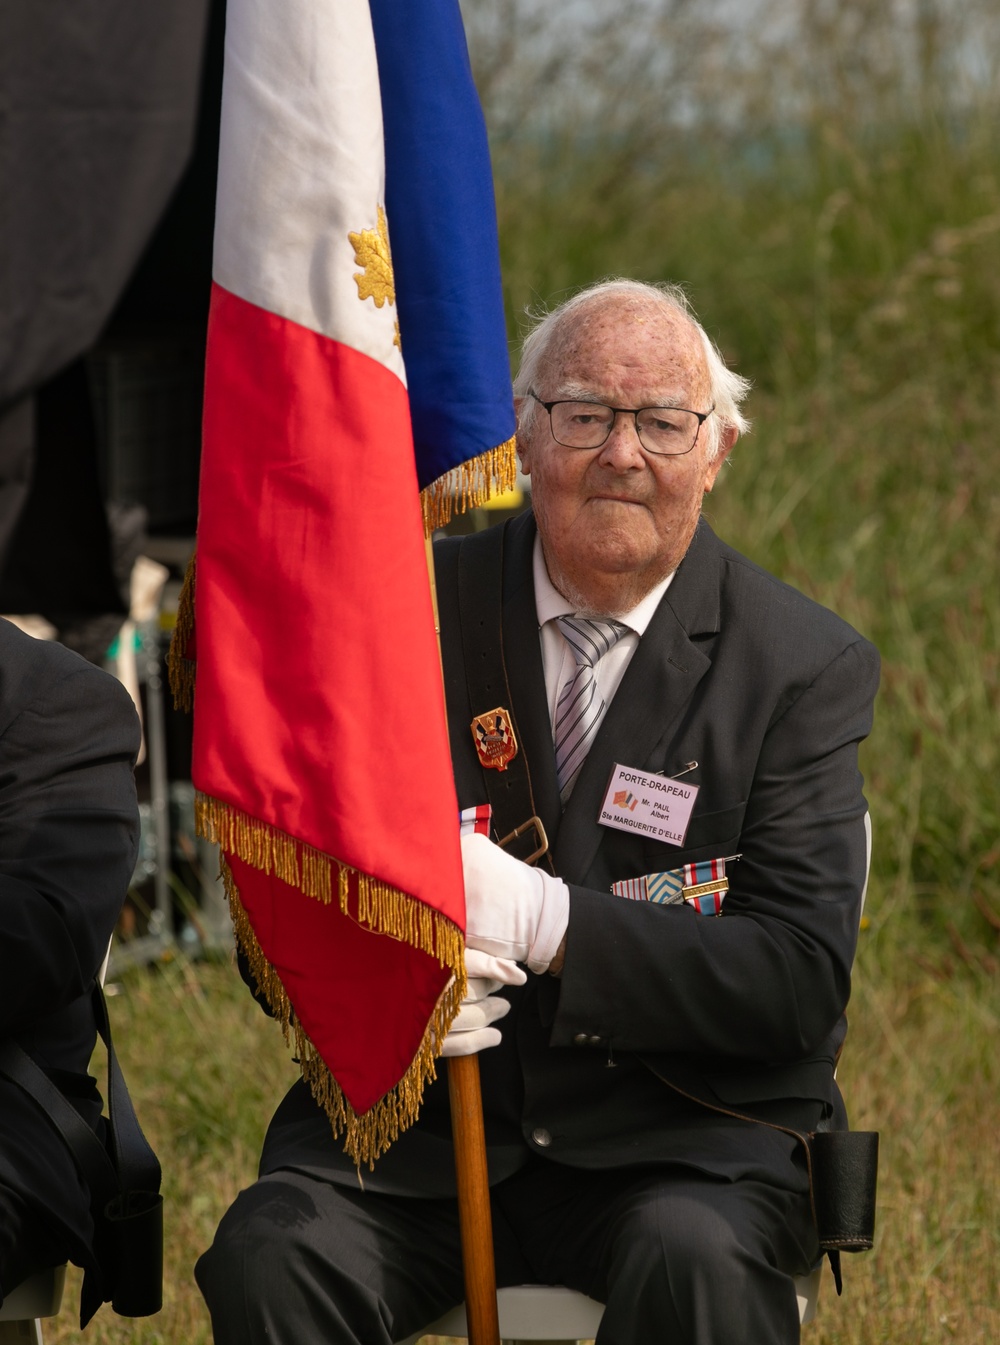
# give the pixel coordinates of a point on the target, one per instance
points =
(727, 439)
(523, 454)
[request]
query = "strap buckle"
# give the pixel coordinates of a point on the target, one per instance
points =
(543, 840)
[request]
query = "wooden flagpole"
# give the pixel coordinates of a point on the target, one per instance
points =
(473, 1200)
(469, 1137)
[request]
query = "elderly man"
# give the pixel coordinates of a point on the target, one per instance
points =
(658, 702)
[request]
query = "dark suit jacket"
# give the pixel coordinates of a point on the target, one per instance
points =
(69, 832)
(770, 694)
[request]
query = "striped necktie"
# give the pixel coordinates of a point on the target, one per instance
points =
(580, 707)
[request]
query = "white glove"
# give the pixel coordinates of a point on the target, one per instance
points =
(511, 909)
(471, 1029)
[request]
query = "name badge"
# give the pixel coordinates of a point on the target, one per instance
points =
(650, 805)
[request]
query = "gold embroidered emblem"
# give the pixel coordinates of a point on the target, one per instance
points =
(493, 735)
(371, 251)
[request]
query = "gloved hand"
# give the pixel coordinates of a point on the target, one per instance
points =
(471, 1029)
(511, 909)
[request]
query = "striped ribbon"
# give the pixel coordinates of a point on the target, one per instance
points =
(702, 885)
(473, 820)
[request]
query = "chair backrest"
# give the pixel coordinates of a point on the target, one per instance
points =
(40, 1295)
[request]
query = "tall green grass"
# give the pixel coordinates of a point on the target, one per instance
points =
(858, 286)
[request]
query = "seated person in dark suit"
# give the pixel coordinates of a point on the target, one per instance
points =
(69, 833)
(648, 1089)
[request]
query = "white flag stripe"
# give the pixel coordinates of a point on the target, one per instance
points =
(301, 166)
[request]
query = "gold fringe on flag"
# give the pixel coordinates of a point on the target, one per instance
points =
(381, 908)
(179, 667)
(469, 485)
(264, 847)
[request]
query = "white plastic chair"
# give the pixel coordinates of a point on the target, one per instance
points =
(552, 1315)
(40, 1295)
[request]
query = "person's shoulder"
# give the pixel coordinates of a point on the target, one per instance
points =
(34, 671)
(777, 614)
(24, 656)
(27, 661)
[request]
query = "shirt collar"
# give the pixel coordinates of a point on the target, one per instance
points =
(550, 603)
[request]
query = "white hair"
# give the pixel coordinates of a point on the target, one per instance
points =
(727, 388)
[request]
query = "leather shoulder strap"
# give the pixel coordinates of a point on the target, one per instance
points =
(134, 1166)
(137, 1164)
(480, 606)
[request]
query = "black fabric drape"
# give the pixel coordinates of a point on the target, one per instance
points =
(99, 107)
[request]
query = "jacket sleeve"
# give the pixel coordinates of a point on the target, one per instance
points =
(770, 979)
(69, 830)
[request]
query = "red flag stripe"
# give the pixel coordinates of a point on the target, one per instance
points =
(333, 704)
(319, 707)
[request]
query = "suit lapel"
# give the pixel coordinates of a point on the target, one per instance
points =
(658, 683)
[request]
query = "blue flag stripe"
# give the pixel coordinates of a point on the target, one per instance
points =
(443, 234)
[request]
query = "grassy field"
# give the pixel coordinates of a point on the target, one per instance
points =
(853, 272)
(206, 1069)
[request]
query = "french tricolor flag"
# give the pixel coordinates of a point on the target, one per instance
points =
(320, 745)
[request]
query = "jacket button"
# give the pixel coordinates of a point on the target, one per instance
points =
(581, 1039)
(541, 1137)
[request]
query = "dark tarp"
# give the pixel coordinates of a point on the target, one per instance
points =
(98, 112)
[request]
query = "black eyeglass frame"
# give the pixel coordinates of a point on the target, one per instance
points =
(632, 411)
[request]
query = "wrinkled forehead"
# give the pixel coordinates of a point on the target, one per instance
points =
(623, 346)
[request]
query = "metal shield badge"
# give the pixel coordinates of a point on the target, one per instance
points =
(493, 735)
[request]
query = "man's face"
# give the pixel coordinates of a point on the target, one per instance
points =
(616, 520)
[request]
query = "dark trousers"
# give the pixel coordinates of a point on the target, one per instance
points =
(677, 1256)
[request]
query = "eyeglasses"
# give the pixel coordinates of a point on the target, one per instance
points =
(664, 430)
